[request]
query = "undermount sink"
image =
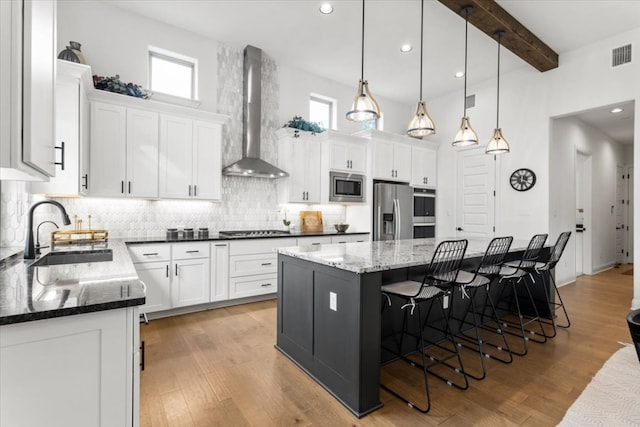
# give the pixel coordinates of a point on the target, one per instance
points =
(74, 257)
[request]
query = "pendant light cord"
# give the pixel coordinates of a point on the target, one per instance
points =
(421, 42)
(466, 37)
(362, 53)
(499, 34)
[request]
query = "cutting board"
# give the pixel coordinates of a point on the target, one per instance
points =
(310, 221)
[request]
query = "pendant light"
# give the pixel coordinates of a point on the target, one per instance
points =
(498, 144)
(421, 124)
(364, 107)
(465, 136)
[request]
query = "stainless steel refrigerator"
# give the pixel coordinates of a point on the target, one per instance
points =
(392, 211)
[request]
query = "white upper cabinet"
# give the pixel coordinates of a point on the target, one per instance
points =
(27, 78)
(190, 158)
(391, 160)
(345, 155)
(423, 166)
(124, 152)
(72, 132)
(299, 155)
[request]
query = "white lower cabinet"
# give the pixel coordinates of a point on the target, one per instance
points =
(175, 275)
(219, 271)
(89, 361)
(313, 240)
(253, 266)
(349, 238)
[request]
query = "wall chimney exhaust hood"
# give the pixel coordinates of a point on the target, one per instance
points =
(251, 164)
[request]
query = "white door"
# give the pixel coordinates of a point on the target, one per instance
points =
(402, 162)
(620, 207)
(629, 217)
(176, 156)
(475, 194)
(108, 150)
(219, 271)
(191, 282)
(383, 166)
(156, 277)
(312, 178)
(142, 154)
(207, 160)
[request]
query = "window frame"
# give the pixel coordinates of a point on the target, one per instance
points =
(333, 108)
(175, 58)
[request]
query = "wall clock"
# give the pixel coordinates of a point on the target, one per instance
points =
(522, 179)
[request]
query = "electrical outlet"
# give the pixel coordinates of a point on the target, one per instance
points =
(333, 301)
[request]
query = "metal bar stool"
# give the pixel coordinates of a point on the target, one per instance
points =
(543, 269)
(469, 284)
(434, 288)
(514, 273)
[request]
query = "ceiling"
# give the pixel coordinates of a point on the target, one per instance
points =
(295, 33)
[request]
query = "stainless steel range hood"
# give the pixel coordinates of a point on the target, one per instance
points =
(251, 164)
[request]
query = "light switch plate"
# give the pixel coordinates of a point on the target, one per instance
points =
(333, 301)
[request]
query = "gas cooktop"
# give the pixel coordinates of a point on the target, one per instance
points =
(252, 233)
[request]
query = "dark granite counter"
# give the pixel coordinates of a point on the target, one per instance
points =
(30, 292)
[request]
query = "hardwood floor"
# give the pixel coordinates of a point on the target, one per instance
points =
(220, 368)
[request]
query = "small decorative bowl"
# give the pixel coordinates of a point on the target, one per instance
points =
(341, 228)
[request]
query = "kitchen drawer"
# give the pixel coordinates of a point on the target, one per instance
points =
(149, 253)
(190, 250)
(245, 265)
(314, 240)
(240, 287)
(350, 238)
(259, 246)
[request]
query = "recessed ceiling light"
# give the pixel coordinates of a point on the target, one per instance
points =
(326, 8)
(459, 74)
(617, 110)
(406, 48)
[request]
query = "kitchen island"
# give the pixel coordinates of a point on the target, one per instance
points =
(329, 320)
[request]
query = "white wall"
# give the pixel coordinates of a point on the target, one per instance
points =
(570, 135)
(296, 86)
(115, 41)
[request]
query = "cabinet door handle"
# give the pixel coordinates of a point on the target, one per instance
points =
(315, 244)
(221, 245)
(150, 254)
(176, 269)
(264, 285)
(85, 177)
(129, 187)
(142, 356)
(193, 252)
(167, 270)
(264, 264)
(189, 191)
(61, 162)
(195, 191)
(122, 187)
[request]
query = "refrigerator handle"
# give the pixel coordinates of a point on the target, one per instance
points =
(379, 224)
(399, 223)
(396, 219)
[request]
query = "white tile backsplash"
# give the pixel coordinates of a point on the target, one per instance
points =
(247, 203)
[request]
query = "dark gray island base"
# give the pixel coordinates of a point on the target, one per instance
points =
(329, 321)
(339, 348)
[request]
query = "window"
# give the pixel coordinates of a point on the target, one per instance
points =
(172, 73)
(322, 110)
(374, 124)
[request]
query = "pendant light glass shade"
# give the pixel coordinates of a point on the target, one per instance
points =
(364, 106)
(498, 144)
(465, 136)
(421, 124)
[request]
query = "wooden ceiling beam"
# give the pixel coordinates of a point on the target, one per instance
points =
(489, 17)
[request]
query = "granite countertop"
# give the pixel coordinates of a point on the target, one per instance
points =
(30, 293)
(369, 257)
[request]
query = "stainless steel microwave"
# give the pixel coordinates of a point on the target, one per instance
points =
(346, 187)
